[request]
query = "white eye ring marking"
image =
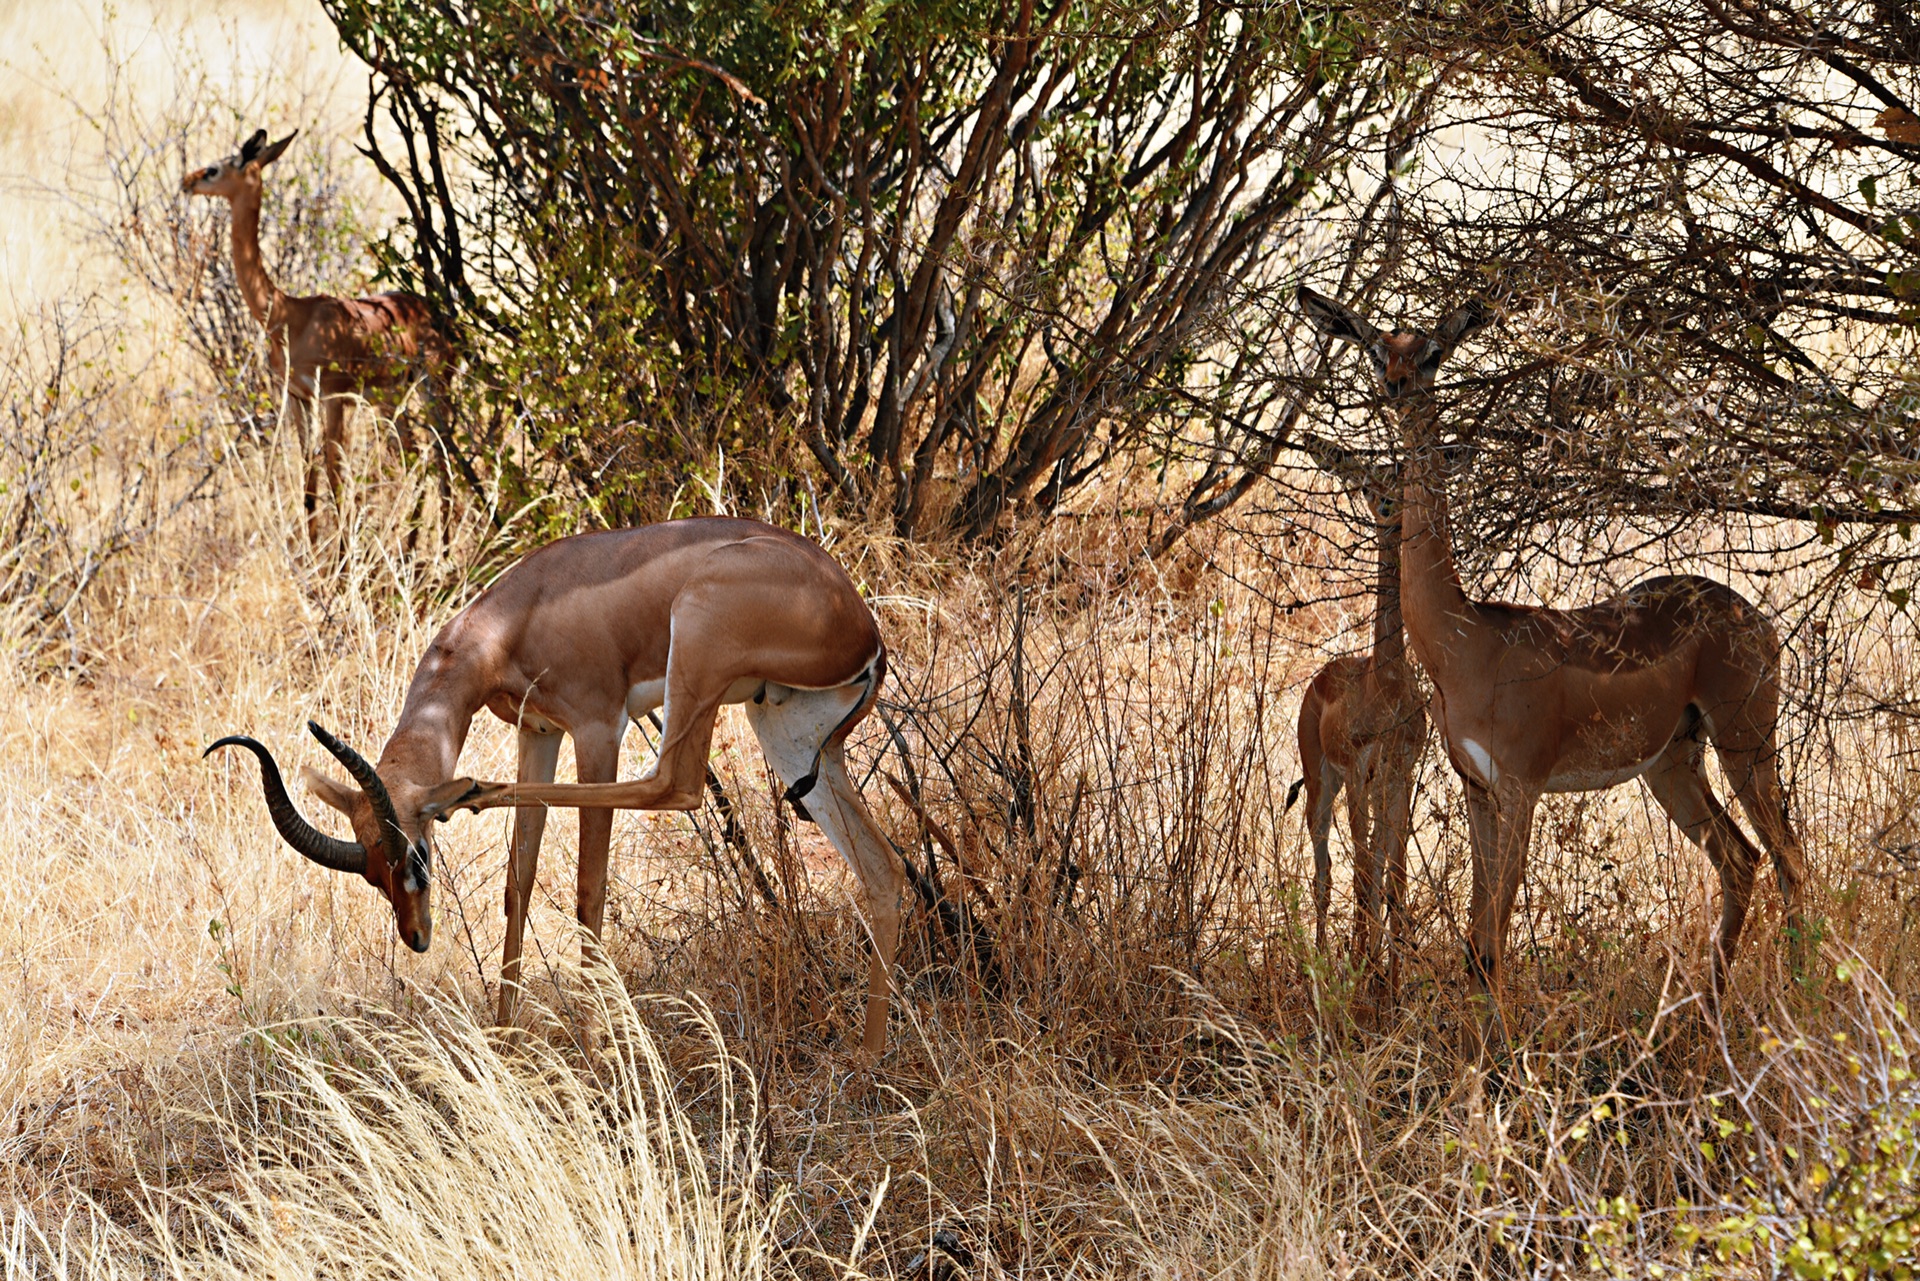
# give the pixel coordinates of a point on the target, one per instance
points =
(419, 867)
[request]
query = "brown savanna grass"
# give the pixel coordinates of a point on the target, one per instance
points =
(1115, 1052)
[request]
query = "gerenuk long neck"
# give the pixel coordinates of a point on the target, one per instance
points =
(450, 685)
(264, 300)
(1435, 605)
(1389, 634)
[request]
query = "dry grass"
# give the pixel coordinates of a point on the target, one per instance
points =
(67, 61)
(359, 1146)
(215, 1060)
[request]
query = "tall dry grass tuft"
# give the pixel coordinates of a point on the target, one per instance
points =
(436, 1147)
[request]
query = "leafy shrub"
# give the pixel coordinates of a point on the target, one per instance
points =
(961, 257)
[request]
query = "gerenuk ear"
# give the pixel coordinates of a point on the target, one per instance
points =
(1330, 318)
(250, 149)
(333, 794)
(1463, 321)
(272, 153)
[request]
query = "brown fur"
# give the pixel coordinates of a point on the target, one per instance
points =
(1363, 726)
(324, 350)
(1531, 700)
(589, 630)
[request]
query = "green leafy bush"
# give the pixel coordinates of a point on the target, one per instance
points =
(954, 258)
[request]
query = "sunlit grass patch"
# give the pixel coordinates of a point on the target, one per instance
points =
(435, 1146)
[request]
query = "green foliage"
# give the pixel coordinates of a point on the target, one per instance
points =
(954, 256)
(1860, 1199)
(1808, 1166)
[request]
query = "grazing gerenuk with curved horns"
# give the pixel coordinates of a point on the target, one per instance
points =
(1531, 700)
(578, 638)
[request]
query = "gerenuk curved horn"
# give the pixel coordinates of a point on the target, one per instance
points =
(329, 852)
(392, 837)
